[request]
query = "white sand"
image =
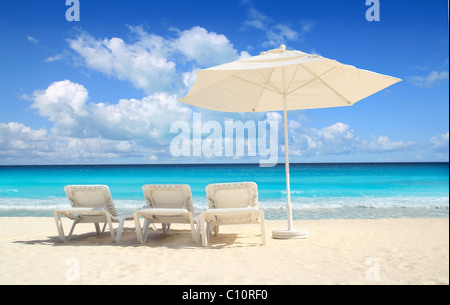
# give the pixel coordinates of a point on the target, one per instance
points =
(384, 251)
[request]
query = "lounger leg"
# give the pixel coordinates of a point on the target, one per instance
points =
(216, 231)
(138, 228)
(71, 230)
(120, 230)
(191, 219)
(198, 229)
(208, 231)
(111, 228)
(97, 228)
(263, 228)
(59, 226)
(145, 230)
(104, 227)
(203, 230)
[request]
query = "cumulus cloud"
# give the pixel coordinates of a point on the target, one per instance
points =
(20, 144)
(276, 33)
(33, 40)
(274, 116)
(204, 48)
(18, 141)
(439, 143)
(55, 58)
(335, 139)
(384, 144)
(60, 100)
(149, 62)
(139, 130)
(190, 77)
(142, 63)
(256, 19)
(18, 136)
(95, 148)
(85, 131)
(20, 131)
(279, 34)
(429, 81)
(338, 139)
(66, 104)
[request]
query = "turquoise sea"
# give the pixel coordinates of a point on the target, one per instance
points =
(318, 191)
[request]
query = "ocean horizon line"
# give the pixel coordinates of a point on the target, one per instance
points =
(213, 164)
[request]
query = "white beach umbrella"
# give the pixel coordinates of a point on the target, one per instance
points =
(282, 80)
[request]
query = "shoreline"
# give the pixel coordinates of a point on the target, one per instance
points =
(214, 164)
(385, 251)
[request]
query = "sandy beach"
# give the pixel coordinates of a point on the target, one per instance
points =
(366, 252)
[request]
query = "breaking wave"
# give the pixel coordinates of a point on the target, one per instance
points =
(303, 208)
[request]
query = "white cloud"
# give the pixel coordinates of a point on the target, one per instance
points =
(149, 62)
(88, 132)
(142, 63)
(20, 144)
(307, 26)
(432, 79)
(139, 130)
(33, 40)
(190, 77)
(256, 19)
(384, 144)
(20, 138)
(66, 104)
(92, 132)
(205, 48)
(274, 116)
(57, 57)
(440, 143)
(338, 139)
(63, 103)
(279, 34)
(276, 33)
(18, 141)
(335, 139)
(22, 132)
(91, 148)
(61, 97)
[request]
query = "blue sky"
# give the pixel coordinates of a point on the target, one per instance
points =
(104, 89)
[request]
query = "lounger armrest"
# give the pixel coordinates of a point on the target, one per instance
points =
(127, 216)
(232, 210)
(76, 213)
(163, 212)
(84, 211)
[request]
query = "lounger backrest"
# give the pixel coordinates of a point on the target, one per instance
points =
(168, 196)
(90, 196)
(232, 195)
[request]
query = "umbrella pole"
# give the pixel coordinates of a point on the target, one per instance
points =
(290, 232)
(286, 164)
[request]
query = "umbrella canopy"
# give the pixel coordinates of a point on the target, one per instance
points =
(306, 81)
(282, 80)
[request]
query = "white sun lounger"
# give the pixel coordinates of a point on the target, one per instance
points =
(91, 204)
(231, 203)
(166, 204)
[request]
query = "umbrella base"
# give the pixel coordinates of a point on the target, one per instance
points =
(290, 234)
